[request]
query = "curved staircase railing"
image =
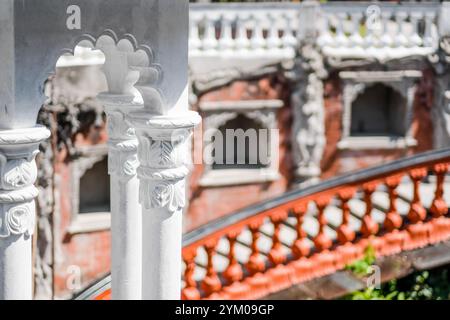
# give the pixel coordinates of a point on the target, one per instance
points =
(312, 232)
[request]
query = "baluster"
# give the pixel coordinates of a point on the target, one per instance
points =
(400, 38)
(276, 254)
(242, 41)
(417, 231)
(428, 38)
(355, 39)
(393, 219)
(288, 39)
(194, 36)
(300, 248)
(386, 38)
(257, 40)
(255, 262)
(345, 233)
(190, 291)
(414, 39)
(439, 207)
(234, 270)
(417, 212)
(322, 241)
(325, 38)
(341, 38)
(211, 283)
(226, 40)
(369, 226)
(273, 38)
(210, 41)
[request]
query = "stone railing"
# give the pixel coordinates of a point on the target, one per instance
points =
(244, 29)
(382, 31)
(273, 31)
(316, 231)
(245, 36)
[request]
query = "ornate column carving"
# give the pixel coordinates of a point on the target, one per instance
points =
(164, 158)
(307, 75)
(18, 172)
(126, 218)
(441, 109)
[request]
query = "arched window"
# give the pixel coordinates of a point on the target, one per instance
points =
(243, 145)
(378, 111)
(95, 189)
(241, 142)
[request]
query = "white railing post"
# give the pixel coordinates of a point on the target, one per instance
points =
(126, 219)
(164, 162)
(163, 128)
(18, 172)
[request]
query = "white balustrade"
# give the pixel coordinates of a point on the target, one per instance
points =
(380, 31)
(224, 36)
(245, 36)
(214, 29)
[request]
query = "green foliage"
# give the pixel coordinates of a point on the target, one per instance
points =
(363, 267)
(421, 285)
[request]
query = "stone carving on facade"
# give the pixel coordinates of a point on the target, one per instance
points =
(45, 208)
(309, 131)
(441, 109)
(209, 81)
(65, 107)
(308, 135)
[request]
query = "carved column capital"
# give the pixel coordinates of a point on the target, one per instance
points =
(164, 158)
(122, 157)
(18, 172)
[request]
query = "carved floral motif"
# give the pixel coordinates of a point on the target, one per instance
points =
(164, 158)
(17, 220)
(17, 173)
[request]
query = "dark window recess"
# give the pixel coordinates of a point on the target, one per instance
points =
(94, 189)
(378, 111)
(251, 146)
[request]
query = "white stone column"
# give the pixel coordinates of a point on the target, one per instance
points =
(18, 172)
(126, 221)
(164, 158)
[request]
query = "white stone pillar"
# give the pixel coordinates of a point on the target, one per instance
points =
(126, 221)
(164, 158)
(18, 172)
